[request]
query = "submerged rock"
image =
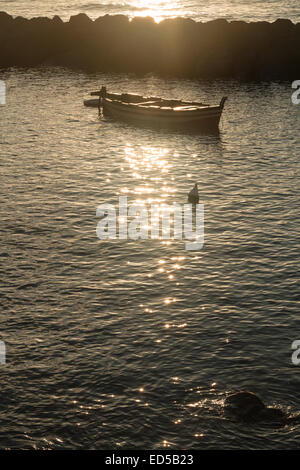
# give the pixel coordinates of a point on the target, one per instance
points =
(248, 407)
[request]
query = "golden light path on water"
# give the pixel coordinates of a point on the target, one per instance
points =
(159, 10)
(150, 167)
(154, 190)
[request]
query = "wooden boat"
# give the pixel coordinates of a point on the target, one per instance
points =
(157, 111)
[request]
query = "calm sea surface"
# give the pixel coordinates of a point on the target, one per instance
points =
(254, 10)
(134, 344)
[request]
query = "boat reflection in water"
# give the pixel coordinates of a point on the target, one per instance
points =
(158, 112)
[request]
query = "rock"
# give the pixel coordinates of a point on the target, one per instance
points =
(244, 404)
(57, 20)
(5, 20)
(80, 22)
(248, 407)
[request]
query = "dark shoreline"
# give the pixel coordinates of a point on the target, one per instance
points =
(176, 47)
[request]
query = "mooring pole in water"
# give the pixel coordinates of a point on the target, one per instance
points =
(102, 95)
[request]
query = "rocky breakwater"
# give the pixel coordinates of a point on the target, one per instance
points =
(175, 47)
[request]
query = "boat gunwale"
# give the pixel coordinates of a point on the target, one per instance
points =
(168, 110)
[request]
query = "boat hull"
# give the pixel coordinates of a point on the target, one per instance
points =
(207, 117)
(93, 103)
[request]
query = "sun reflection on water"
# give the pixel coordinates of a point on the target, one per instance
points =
(158, 9)
(150, 166)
